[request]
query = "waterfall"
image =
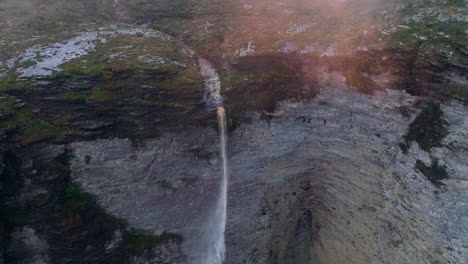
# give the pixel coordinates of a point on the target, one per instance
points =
(214, 247)
(224, 182)
(212, 96)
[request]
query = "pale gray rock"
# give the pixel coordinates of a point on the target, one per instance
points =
(322, 182)
(165, 185)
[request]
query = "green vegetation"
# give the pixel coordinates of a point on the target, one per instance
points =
(20, 118)
(33, 127)
(101, 94)
(72, 204)
(11, 82)
(25, 64)
(428, 129)
(7, 106)
(434, 31)
(38, 129)
(186, 79)
(139, 241)
(92, 65)
(232, 121)
(127, 74)
(434, 173)
(454, 91)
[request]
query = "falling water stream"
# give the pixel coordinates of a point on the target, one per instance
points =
(214, 242)
(224, 182)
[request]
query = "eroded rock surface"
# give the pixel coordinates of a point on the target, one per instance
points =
(329, 172)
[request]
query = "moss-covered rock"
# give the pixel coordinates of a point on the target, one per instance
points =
(435, 33)
(10, 82)
(428, 129)
(434, 173)
(130, 83)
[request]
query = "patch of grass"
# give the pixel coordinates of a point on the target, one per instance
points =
(454, 91)
(7, 106)
(434, 173)
(25, 64)
(138, 241)
(11, 82)
(101, 94)
(76, 206)
(410, 35)
(92, 65)
(72, 204)
(429, 26)
(186, 79)
(428, 129)
(39, 129)
(142, 243)
(97, 68)
(20, 118)
(63, 159)
(33, 128)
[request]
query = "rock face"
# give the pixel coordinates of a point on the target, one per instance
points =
(323, 181)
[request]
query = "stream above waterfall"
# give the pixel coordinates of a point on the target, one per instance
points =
(214, 230)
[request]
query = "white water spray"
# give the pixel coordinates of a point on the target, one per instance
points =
(215, 226)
